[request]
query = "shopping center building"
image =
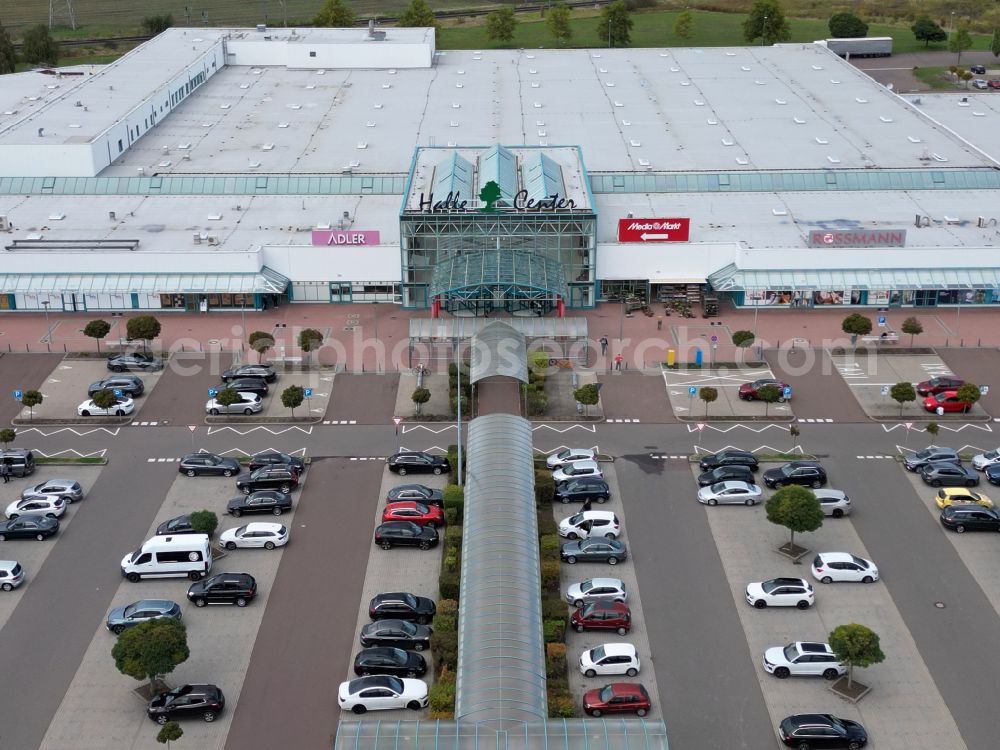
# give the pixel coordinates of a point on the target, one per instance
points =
(240, 169)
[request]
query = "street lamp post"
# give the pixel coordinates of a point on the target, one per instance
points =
(243, 333)
(609, 32)
(763, 31)
(458, 396)
(48, 329)
(621, 322)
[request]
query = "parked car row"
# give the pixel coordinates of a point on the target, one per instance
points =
(964, 509)
(251, 385)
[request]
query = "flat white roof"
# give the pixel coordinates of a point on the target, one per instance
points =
(973, 114)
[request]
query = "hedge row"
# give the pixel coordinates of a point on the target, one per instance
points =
(444, 638)
(441, 696)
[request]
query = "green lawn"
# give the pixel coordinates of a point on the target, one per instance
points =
(935, 78)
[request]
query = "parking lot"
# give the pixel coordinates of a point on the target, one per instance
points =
(684, 388)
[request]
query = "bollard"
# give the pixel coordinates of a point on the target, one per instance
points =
(671, 357)
(697, 357)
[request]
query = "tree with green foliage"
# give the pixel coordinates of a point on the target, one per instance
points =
(743, 339)
(420, 396)
(856, 325)
(417, 13)
(260, 342)
(227, 397)
(97, 330)
(151, 649)
(968, 392)
(31, 399)
(7, 436)
(154, 25)
(926, 30)
(960, 41)
(588, 395)
(143, 328)
(913, 327)
(501, 24)
(292, 397)
(708, 395)
(796, 508)
(616, 24)
(995, 44)
(169, 732)
(769, 394)
(334, 15)
(558, 23)
(684, 25)
(793, 433)
(104, 398)
(38, 47)
(767, 23)
(846, 25)
(310, 340)
(856, 646)
(903, 392)
(932, 429)
(8, 55)
(204, 522)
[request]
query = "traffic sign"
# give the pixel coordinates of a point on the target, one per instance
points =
(787, 392)
(714, 339)
(700, 427)
(654, 230)
(909, 425)
(192, 427)
(984, 389)
(212, 393)
(397, 420)
(885, 390)
(307, 392)
(118, 392)
(18, 395)
(881, 321)
(692, 390)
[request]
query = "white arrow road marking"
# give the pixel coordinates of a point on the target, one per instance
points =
(216, 430)
(327, 379)
(411, 428)
(319, 410)
(680, 408)
(587, 427)
(53, 380)
(65, 367)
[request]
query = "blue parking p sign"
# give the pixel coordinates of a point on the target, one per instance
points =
(787, 392)
(18, 394)
(118, 392)
(984, 389)
(307, 392)
(881, 320)
(212, 393)
(692, 390)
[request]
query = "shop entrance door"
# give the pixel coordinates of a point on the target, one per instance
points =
(925, 298)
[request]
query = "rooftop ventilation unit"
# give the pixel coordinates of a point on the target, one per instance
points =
(262, 27)
(213, 239)
(196, 237)
(5, 225)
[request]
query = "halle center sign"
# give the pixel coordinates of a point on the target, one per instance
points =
(654, 230)
(345, 237)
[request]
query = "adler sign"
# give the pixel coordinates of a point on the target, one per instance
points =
(653, 230)
(345, 237)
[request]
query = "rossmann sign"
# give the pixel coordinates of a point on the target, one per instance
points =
(654, 230)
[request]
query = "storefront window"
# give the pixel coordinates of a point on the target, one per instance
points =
(612, 291)
(771, 297)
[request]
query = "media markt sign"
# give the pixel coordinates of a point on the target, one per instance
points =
(654, 230)
(858, 238)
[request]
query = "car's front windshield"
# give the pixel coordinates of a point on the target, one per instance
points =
(586, 586)
(607, 693)
(791, 652)
(597, 654)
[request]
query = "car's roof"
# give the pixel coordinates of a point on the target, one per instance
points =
(837, 556)
(7, 564)
(965, 508)
(598, 514)
(390, 596)
(600, 540)
(803, 720)
(404, 504)
(628, 688)
(733, 452)
(152, 603)
(830, 493)
(813, 647)
(263, 526)
(618, 649)
(789, 581)
(55, 482)
(606, 582)
(730, 484)
(585, 463)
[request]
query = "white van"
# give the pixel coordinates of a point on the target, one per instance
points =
(170, 556)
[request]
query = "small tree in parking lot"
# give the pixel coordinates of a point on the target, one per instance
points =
(588, 395)
(932, 429)
(151, 648)
(260, 342)
(7, 436)
(310, 340)
(97, 330)
(420, 396)
(227, 397)
(104, 398)
(796, 508)
(793, 433)
(968, 392)
(169, 732)
(856, 325)
(913, 327)
(142, 328)
(292, 397)
(31, 399)
(708, 395)
(768, 394)
(856, 646)
(204, 522)
(903, 393)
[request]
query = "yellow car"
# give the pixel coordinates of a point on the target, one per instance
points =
(961, 496)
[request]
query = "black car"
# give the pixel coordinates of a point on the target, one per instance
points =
(732, 473)
(276, 458)
(187, 702)
(208, 464)
(992, 473)
(806, 473)
(729, 458)
(583, 489)
(178, 525)
(947, 474)
(400, 605)
(397, 633)
(224, 588)
(405, 534)
(388, 660)
(821, 730)
(418, 493)
(265, 372)
(28, 527)
(962, 518)
(596, 549)
(415, 461)
(129, 385)
(137, 361)
(257, 386)
(979, 70)
(277, 477)
(262, 501)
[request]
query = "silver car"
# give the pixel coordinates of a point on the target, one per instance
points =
(249, 403)
(122, 618)
(834, 503)
(68, 489)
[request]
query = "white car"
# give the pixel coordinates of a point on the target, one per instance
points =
(380, 693)
(834, 503)
(803, 658)
(89, 409)
(590, 523)
(577, 469)
(828, 567)
(249, 403)
(781, 592)
(982, 460)
(579, 594)
(731, 492)
(53, 507)
(11, 575)
(569, 455)
(266, 535)
(610, 658)
(980, 83)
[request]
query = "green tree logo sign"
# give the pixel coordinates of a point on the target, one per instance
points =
(489, 195)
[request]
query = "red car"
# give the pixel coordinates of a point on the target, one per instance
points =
(420, 514)
(993, 84)
(946, 402)
(617, 698)
(602, 614)
(937, 385)
(748, 391)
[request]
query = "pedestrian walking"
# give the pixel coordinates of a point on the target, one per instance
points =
(5, 472)
(587, 505)
(604, 345)
(618, 362)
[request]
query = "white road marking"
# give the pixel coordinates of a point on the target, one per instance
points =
(411, 428)
(587, 427)
(109, 431)
(216, 430)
